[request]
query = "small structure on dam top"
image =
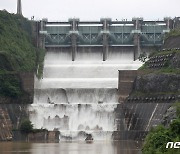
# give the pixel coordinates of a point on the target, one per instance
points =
(106, 35)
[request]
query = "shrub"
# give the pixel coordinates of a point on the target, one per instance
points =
(26, 126)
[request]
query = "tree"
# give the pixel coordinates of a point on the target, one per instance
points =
(26, 126)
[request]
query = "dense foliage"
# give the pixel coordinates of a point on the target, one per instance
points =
(17, 52)
(156, 140)
(16, 41)
(10, 85)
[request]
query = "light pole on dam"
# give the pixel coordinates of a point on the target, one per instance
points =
(19, 7)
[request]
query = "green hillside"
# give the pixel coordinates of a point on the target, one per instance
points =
(17, 52)
(16, 41)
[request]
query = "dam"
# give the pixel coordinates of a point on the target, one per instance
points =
(90, 98)
(78, 92)
(103, 38)
(79, 97)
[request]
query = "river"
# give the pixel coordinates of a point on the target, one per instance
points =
(97, 147)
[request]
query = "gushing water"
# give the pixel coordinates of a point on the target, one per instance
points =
(78, 98)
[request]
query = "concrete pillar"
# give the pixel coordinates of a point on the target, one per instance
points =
(42, 33)
(105, 47)
(74, 31)
(176, 23)
(137, 32)
(74, 46)
(137, 47)
(169, 23)
(35, 33)
(106, 23)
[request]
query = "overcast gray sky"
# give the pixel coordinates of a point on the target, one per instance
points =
(95, 9)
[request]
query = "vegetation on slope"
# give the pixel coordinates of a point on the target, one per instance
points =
(172, 33)
(16, 41)
(17, 52)
(10, 85)
(158, 137)
(158, 77)
(168, 68)
(156, 140)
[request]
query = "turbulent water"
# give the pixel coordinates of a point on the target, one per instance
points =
(78, 98)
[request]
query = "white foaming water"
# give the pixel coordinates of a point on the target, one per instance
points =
(79, 98)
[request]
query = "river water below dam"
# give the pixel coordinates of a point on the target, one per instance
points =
(79, 97)
(97, 147)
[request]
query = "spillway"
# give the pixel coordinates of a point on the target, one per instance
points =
(79, 97)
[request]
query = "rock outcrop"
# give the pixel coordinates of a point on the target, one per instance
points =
(169, 116)
(158, 83)
(172, 42)
(5, 126)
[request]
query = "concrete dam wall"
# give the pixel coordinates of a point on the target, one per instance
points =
(79, 97)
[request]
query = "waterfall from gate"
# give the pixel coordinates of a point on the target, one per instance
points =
(79, 97)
